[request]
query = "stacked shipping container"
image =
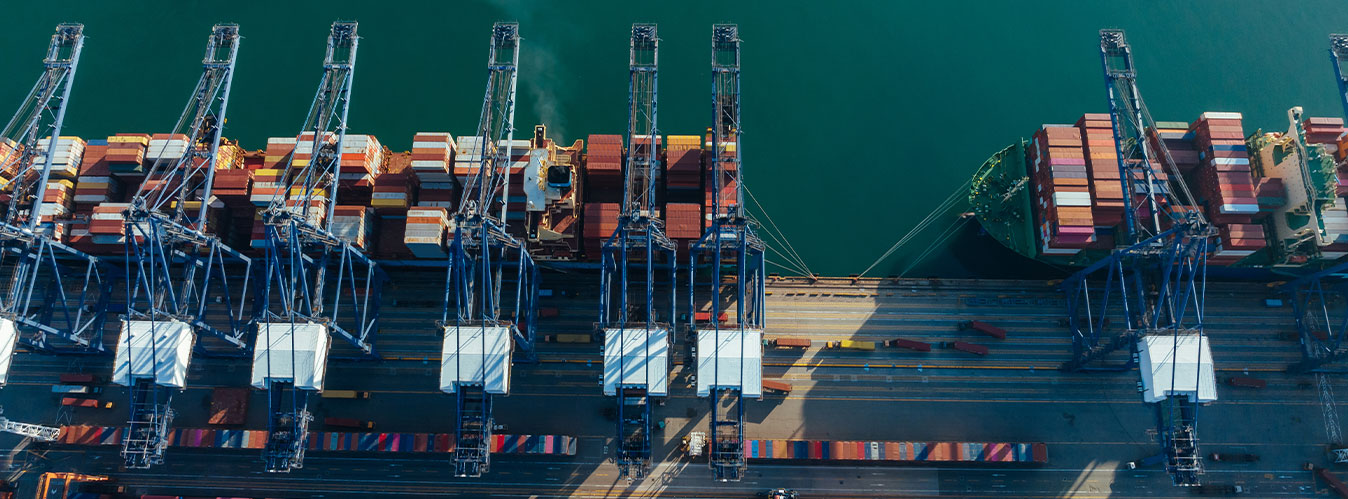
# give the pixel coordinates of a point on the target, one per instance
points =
(1062, 190)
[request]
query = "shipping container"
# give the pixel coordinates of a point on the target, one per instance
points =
(789, 342)
(909, 344)
(85, 402)
(78, 379)
(851, 345)
(345, 394)
(229, 406)
(969, 348)
(1246, 382)
(75, 389)
(567, 338)
(984, 328)
(348, 423)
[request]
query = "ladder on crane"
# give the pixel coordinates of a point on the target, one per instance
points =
(178, 284)
(317, 284)
(729, 357)
(55, 292)
(636, 344)
(1154, 283)
(483, 259)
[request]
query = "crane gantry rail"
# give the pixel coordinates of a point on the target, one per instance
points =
(483, 259)
(177, 283)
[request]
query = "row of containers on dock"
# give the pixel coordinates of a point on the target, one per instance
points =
(1273, 199)
(560, 445)
(322, 441)
(564, 200)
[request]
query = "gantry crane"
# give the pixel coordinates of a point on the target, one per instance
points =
(55, 292)
(177, 282)
(317, 284)
(636, 344)
(729, 357)
(1154, 283)
(1322, 323)
(1322, 326)
(478, 342)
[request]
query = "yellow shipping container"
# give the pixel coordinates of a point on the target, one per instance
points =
(858, 345)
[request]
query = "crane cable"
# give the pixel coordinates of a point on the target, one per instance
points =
(780, 237)
(922, 225)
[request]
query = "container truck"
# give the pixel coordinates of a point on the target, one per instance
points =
(787, 342)
(78, 379)
(909, 344)
(548, 312)
(965, 347)
(349, 423)
(566, 338)
(777, 386)
(345, 394)
(1246, 382)
(852, 345)
(984, 328)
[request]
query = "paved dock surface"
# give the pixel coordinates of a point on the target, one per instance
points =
(1093, 423)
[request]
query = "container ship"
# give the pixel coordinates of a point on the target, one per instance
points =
(1275, 198)
(563, 199)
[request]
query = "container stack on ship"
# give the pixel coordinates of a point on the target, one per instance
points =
(563, 201)
(1273, 199)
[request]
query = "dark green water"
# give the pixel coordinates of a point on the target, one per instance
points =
(859, 116)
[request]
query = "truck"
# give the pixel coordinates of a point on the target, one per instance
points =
(349, 423)
(777, 386)
(909, 344)
(788, 342)
(984, 328)
(1246, 382)
(229, 406)
(1333, 482)
(78, 379)
(548, 312)
(85, 402)
(80, 389)
(566, 338)
(345, 394)
(972, 348)
(851, 345)
(1234, 457)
